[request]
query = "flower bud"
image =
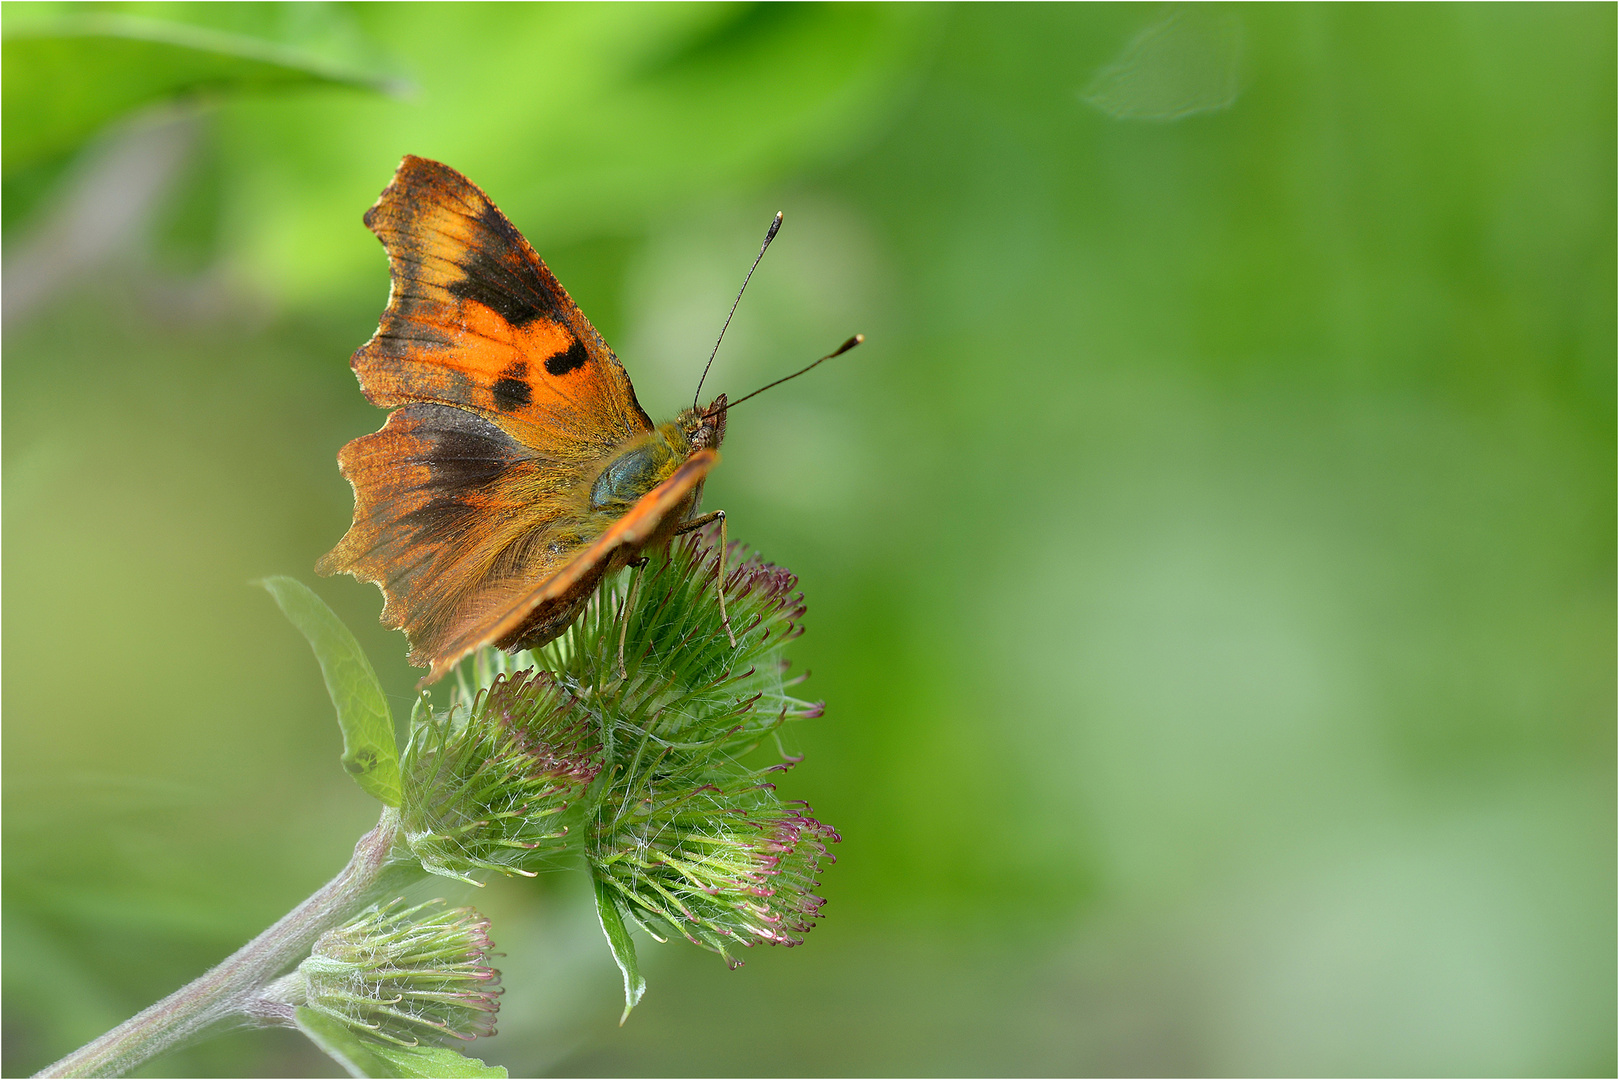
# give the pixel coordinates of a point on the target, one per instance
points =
(485, 784)
(720, 870)
(675, 644)
(405, 976)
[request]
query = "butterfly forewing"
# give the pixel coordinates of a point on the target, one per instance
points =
(476, 320)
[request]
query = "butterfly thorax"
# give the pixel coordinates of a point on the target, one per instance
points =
(636, 470)
(648, 461)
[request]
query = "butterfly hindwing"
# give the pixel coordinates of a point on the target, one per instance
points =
(476, 320)
(439, 494)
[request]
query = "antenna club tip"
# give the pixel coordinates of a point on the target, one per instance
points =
(775, 227)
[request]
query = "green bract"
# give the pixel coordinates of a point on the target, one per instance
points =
(687, 839)
(361, 1056)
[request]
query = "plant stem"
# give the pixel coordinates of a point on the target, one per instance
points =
(231, 987)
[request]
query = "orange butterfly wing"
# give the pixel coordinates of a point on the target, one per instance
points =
(506, 398)
(476, 320)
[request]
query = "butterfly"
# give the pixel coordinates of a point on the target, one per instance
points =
(517, 469)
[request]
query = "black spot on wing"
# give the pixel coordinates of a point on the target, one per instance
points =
(496, 274)
(511, 394)
(510, 390)
(563, 362)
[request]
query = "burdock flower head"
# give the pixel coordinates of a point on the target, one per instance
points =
(405, 975)
(721, 870)
(487, 783)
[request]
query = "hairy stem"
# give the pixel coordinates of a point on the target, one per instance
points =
(232, 988)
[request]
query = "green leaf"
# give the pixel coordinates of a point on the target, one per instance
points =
(68, 73)
(370, 1057)
(623, 946)
(370, 753)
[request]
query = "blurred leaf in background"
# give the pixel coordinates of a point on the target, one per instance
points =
(1210, 556)
(73, 69)
(1189, 61)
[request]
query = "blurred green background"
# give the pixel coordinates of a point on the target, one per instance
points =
(1210, 556)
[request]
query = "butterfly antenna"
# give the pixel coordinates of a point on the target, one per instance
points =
(839, 351)
(770, 234)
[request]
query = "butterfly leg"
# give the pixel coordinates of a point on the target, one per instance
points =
(629, 602)
(719, 585)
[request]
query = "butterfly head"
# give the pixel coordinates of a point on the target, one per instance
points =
(705, 428)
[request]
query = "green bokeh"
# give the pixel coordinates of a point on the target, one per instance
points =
(1210, 555)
